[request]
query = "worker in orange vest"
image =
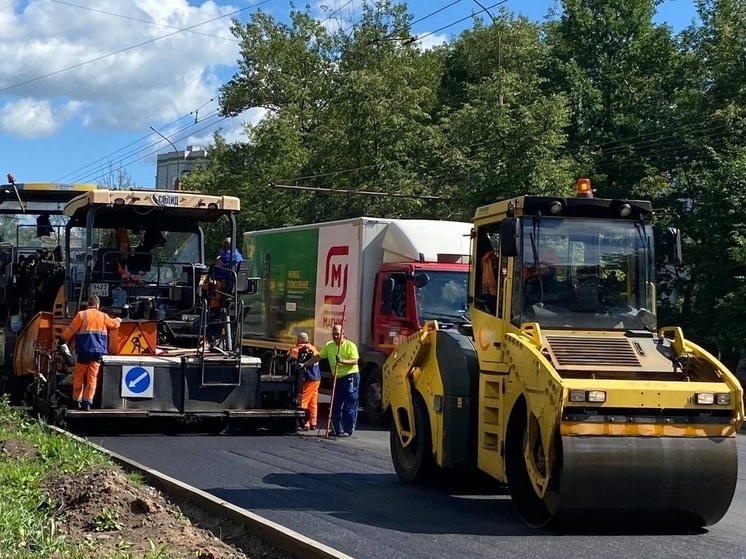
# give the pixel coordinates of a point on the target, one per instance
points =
(309, 395)
(90, 328)
(489, 282)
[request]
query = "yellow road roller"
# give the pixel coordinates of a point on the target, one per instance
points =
(558, 381)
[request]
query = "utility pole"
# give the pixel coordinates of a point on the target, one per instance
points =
(177, 181)
(499, 50)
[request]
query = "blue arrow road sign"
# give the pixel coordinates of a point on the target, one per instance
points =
(137, 380)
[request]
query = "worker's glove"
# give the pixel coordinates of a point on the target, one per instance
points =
(338, 358)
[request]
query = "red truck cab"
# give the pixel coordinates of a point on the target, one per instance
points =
(407, 294)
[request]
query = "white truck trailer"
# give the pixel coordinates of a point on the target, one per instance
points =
(387, 276)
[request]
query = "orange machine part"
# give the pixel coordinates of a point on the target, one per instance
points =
(37, 333)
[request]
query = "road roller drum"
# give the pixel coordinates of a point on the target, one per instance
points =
(679, 481)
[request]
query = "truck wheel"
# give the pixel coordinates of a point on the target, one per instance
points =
(414, 463)
(530, 507)
(372, 391)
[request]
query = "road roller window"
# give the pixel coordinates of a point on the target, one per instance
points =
(584, 273)
(491, 271)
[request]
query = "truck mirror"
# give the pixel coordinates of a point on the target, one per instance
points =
(244, 284)
(673, 238)
(508, 236)
(421, 279)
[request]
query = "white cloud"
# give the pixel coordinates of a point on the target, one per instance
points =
(158, 81)
(33, 118)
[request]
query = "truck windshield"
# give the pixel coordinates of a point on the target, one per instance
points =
(443, 297)
(584, 273)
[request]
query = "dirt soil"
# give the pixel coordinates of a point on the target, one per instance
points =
(105, 510)
(18, 448)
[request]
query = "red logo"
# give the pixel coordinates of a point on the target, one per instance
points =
(335, 276)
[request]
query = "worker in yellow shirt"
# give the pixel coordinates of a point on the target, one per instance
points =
(343, 356)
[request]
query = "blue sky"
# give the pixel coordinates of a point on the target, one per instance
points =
(82, 81)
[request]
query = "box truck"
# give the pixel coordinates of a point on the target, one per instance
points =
(387, 276)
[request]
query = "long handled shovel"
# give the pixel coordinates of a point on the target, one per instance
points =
(336, 368)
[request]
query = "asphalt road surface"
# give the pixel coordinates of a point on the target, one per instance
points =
(345, 494)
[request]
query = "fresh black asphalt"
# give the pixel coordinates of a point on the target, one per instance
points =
(344, 493)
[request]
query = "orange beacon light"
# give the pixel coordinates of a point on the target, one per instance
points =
(584, 188)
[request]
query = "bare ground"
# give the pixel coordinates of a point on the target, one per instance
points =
(105, 510)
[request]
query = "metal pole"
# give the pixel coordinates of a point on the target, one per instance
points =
(177, 182)
(499, 48)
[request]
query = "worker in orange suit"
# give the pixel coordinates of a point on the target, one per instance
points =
(309, 395)
(91, 330)
(489, 282)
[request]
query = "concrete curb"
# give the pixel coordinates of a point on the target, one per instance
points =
(275, 534)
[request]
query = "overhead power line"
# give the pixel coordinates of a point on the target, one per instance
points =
(342, 7)
(106, 158)
(103, 170)
(195, 112)
(396, 32)
(431, 14)
(136, 155)
(360, 192)
(102, 57)
(147, 22)
(470, 16)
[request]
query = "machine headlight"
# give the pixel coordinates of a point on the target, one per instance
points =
(577, 395)
(705, 398)
(723, 399)
(594, 396)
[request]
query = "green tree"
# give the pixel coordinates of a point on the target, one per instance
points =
(711, 177)
(507, 133)
(504, 109)
(382, 115)
(619, 72)
(344, 112)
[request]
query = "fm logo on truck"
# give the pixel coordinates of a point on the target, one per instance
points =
(336, 275)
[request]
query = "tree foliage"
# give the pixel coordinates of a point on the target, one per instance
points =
(507, 107)
(712, 174)
(507, 131)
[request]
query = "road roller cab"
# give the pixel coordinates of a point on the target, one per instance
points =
(562, 385)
